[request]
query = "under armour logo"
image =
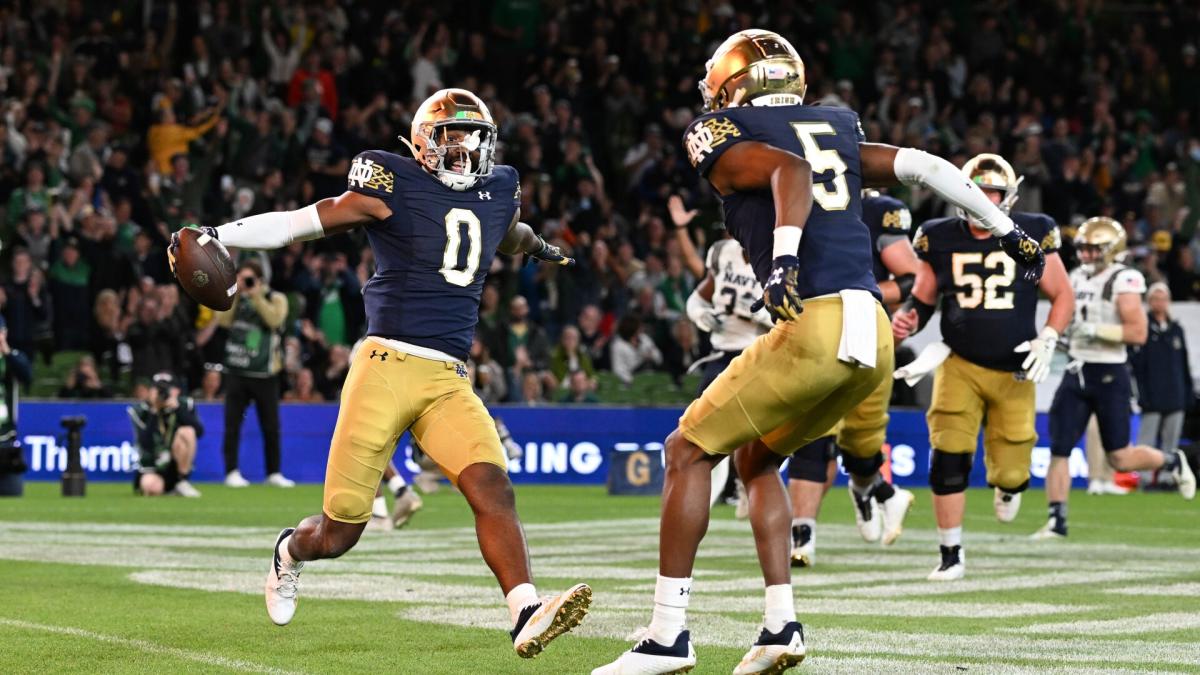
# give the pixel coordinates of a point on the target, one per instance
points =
(460, 370)
(485, 195)
(382, 357)
(685, 591)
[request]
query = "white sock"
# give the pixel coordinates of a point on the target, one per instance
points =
(285, 556)
(810, 522)
(671, 595)
(950, 536)
(379, 507)
(520, 597)
(780, 607)
(396, 482)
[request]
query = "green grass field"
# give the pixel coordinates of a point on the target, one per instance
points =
(113, 583)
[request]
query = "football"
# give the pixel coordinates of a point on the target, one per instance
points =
(205, 270)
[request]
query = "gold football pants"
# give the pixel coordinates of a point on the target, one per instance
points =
(387, 393)
(788, 387)
(966, 395)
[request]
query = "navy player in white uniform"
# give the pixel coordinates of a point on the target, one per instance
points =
(722, 306)
(790, 178)
(1108, 316)
(434, 222)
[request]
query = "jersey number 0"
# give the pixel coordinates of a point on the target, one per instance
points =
(456, 271)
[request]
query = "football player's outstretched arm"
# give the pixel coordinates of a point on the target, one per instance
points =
(750, 166)
(280, 228)
(522, 239)
(886, 165)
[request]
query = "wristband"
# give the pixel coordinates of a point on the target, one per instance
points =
(787, 240)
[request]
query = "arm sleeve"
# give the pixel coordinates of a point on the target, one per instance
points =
(708, 137)
(917, 167)
(369, 175)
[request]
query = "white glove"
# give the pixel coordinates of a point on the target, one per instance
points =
(926, 362)
(709, 322)
(1041, 351)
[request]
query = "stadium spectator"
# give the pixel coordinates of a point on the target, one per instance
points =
(25, 302)
(110, 348)
(579, 389)
(15, 370)
(84, 381)
(70, 283)
(167, 139)
(152, 342)
(570, 357)
(532, 393)
(487, 376)
(302, 390)
(253, 360)
(521, 345)
(682, 350)
(632, 350)
(1163, 376)
(210, 384)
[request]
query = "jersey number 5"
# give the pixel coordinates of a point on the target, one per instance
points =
(984, 290)
(456, 269)
(833, 195)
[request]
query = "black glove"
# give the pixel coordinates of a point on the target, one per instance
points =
(1026, 251)
(173, 247)
(551, 254)
(781, 294)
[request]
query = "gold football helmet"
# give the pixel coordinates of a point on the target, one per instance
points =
(749, 64)
(993, 172)
(1103, 233)
(454, 137)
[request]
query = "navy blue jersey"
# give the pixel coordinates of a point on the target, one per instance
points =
(889, 221)
(987, 307)
(433, 252)
(835, 252)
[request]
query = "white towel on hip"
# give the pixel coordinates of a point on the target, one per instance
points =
(926, 362)
(859, 343)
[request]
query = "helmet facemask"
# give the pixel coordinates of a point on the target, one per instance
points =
(459, 153)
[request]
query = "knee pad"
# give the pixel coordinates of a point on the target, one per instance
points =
(949, 473)
(862, 466)
(810, 462)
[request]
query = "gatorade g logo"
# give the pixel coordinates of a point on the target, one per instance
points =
(637, 468)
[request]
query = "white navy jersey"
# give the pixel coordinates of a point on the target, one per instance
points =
(1096, 303)
(735, 289)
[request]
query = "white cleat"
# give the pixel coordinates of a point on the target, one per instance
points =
(893, 512)
(648, 657)
(866, 516)
(185, 489)
(1106, 487)
(774, 652)
(541, 623)
(234, 479)
(406, 505)
(1006, 504)
(1048, 532)
(379, 524)
(953, 566)
(804, 555)
(278, 480)
(1185, 478)
(283, 582)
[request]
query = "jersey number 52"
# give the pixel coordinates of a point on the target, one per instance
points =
(456, 269)
(985, 289)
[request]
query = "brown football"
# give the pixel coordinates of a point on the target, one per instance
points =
(205, 270)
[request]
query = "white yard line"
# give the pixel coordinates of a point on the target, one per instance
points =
(1147, 623)
(207, 658)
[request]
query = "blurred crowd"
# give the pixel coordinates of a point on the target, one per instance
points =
(124, 121)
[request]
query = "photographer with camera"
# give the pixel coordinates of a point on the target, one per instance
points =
(253, 359)
(166, 427)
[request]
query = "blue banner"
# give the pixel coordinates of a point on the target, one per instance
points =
(561, 444)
